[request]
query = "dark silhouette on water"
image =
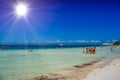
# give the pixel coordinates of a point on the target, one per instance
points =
(30, 50)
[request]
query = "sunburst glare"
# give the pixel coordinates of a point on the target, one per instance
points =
(26, 20)
(21, 9)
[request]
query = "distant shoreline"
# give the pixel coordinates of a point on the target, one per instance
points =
(45, 46)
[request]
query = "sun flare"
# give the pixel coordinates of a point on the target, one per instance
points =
(21, 9)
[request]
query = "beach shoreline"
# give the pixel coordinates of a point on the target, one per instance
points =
(78, 72)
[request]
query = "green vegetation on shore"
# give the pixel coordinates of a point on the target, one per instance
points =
(117, 43)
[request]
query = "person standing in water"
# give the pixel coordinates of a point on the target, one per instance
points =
(83, 50)
(111, 49)
(87, 50)
(0, 49)
(94, 50)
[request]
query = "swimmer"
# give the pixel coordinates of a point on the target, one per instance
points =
(94, 50)
(30, 50)
(87, 50)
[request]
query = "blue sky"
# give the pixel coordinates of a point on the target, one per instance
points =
(61, 20)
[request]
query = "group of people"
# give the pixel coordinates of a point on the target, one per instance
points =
(91, 50)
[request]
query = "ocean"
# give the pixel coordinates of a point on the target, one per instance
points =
(21, 64)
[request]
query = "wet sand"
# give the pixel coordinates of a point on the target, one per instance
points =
(78, 72)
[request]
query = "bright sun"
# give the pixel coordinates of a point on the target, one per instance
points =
(21, 9)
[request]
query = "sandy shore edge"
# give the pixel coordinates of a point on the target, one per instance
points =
(78, 72)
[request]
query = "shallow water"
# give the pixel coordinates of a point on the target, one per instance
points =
(21, 64)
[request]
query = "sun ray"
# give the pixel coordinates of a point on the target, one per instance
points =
(26, 18)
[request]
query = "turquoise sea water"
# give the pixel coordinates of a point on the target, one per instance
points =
(21, 64)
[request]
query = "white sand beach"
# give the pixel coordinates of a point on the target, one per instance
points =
(109, 72)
